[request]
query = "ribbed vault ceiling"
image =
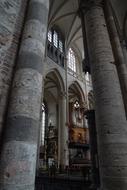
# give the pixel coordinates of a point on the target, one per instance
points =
(64, 14)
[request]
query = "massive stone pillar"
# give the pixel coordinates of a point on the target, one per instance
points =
(11, 20)
(19, 151)
(110, 114)
(117, 50)
(64, 154)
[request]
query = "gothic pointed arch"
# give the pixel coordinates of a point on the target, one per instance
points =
(75, 92)
(55, 76)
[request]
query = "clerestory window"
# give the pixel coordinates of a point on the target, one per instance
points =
(55, 46)
(50, 36)
(61, 46)
(55, 39)
(71, 60)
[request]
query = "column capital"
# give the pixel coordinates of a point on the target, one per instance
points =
(86, 5)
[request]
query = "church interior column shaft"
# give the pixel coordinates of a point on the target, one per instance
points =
(117, 50)
(63, 133)
(19, 151)
(11, 21)
(110, 114)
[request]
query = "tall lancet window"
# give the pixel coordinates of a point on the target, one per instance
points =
(60, 46)
(43, 125)
(55, 39)
(50, 36)
(71, 60)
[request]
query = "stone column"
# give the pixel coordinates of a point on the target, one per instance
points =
(90, 116)
(64, 154)
(124, 48)
(110, 114)
(11, 21)
(117, 50)
(19, 151)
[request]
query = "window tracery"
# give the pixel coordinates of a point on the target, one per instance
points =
(54, 37)
(55, 46)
